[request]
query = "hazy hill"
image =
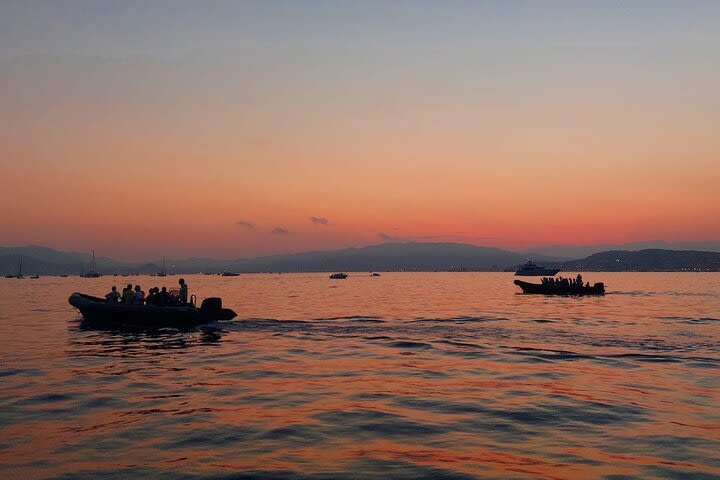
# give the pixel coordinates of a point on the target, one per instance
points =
(49, 255)
(387, 256)
(569, 252)
(48, 261)
(649, 259)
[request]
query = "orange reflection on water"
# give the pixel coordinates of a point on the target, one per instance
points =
(404, 375)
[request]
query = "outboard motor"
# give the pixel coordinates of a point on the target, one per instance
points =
(212, 304)
(212, 309)
(600, 287)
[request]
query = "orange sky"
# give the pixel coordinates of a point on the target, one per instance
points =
(144, 137)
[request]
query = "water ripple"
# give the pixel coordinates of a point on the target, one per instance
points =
(416, 375)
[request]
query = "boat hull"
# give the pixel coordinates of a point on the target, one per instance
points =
(545, 272)
(535, 288)
(97, 310)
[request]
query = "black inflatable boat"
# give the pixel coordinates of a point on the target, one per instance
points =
(527, 287)
(97, 310)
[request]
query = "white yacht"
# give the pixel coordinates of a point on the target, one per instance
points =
(531, 269)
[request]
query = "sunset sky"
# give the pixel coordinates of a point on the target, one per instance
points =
(233, 129)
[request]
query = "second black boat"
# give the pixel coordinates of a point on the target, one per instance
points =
(550, 289)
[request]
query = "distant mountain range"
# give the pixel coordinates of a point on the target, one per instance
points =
(391, 256)
(654, 259)
(47, 261)
(570, 252)
(388, 256)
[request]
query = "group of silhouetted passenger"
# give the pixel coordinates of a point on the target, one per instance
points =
(156, 296)
(569, 283)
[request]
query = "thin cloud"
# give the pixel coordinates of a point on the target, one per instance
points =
(280, 231)
(319, 220)
(244, 224)
(455, 235)
(384, 236)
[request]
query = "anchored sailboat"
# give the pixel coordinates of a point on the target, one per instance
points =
(19, 275)
(162, 273)
(93, 272)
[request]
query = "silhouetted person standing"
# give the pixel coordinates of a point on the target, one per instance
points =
(183, 291)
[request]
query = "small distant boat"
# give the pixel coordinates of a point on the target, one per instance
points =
(97, 310)
(230, 274)
(527, 287)
(338, 276)
(374, 274)
(531, 269)
(35, 276)
(93, 272)
(65, 276)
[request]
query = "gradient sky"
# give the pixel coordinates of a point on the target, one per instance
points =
(142, 129)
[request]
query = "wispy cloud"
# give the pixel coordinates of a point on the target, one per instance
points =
(458, 237)
(280, 231)
(469, 236)
(319, 220)
(244, 224)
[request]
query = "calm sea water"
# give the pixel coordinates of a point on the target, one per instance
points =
(407, 375)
